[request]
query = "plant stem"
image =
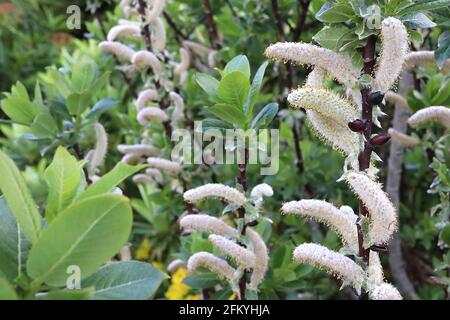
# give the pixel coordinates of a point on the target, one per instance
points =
(80, 156)
(211, 26)
(368, 53)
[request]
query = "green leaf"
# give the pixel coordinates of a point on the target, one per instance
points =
(209, 84)
(127, 280)
(445, 234)
(19, 198)
(101, 107)
(254, 89)
(233, 89)
(18, 106)
(83, 75)
(425, 5)
(110, 180)
(417, 20)
(229, 113)
(6, 291)
(77, 103)
(443, 50)
(63, 177)
(99, 83)
(238, 63)
(335, 13)
(201, 280)
(332, 38)
(208, 124)
(68, 294)
(59, 81)
(86, 234)
(265, 116)
(14, 246)
(44, 126)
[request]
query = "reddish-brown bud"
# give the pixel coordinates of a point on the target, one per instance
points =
(357, 125)
(375, 98)
(380, 139)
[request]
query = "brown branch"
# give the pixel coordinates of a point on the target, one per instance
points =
(80, 156)
(211, 26)
(301, 18)
(179, 35)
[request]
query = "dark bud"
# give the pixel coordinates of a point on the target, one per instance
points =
(252, 223)
(357, 125)
(380, 139)
(375, 98)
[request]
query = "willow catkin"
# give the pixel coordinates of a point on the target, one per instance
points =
(325, 102)
(213, 263)
(138, 149)
(385, 291)
(185, 60)
(423, 59)
(118, 49)
(196, 47)
(144, 97)
(337, 65)
(215, 190)
(151, 114)
(125, 30)
(155, 175)
(383, 218)
(261, 190)
(156, 9)
(158, 35)
(439, 114)
(396, 99)
(164, 165)
(336, 134)
(242, 256)
(101, 146)
(322, 211)
(143, 58)
(130, 158)
(316, 78)
(402, 139)
(178, 112)
(394, 47)
(141, 178)
(175, 265)
(332, 262)
(261, 255)
(206, 223)
(375, 270)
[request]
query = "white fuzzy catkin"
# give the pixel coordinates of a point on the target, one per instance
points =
(125, 22)
(143, 58)
(157, 7)
(396, 99)
(262, 257)
(118, 49)
(211, 262)
(158, 35)
(185, 60)
(164, 165)
(130, 158)
(151, 114)
(175, 265)
(385, 291)
(403, 139)
(336, 134)
(383, 218)
(316, 78)
(101, 146)
(144, 97)
(126, 30)
(212, 59)
(375, 269)
(196, 47)
(439, 113)
(138, 149)
(423, 59)
(215, 190)
(394, 47)
(337, 65)
(141, 178)
(178, 112)
(262, 190)
(325, 102)
(325, 212)
(332, 262)
(155, 175)
(206, 223)
(242, 256)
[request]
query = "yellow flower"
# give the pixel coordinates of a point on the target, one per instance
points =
(232, 297)
(192, 297)
(179, 275)
(178, 290)
(158, 265)
(143, 251)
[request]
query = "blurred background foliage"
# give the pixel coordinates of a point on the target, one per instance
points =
(34, 36)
